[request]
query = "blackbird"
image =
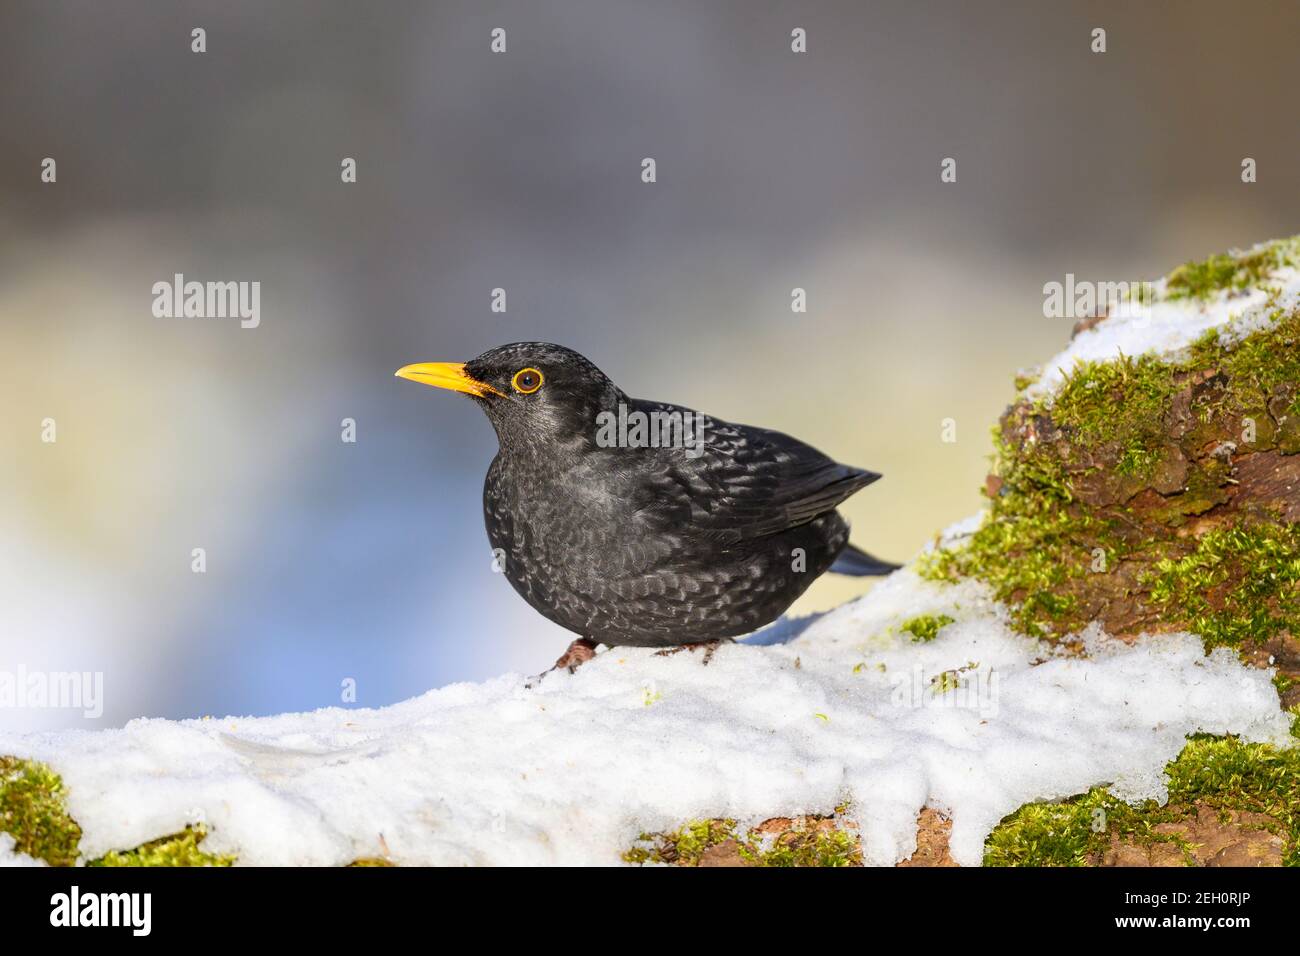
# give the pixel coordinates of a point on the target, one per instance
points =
(633, 522)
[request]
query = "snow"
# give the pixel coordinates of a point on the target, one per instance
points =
(1164, 327)
(573, 769)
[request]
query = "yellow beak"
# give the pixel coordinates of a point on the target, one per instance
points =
(449, 375)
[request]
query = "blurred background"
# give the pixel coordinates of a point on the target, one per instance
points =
(328, 560)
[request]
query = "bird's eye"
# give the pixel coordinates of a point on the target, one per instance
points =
(527, 381)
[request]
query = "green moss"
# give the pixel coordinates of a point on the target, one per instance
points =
(643, 851)
(1240, 584)
(179, 849)
(926, 627)
(1068, 470)
(1031, 546)
(1257, 366)
(1222, 773)
(1073, 832)
(1123, 400)
(694, 839)
(806, 843)
(1026, 377)
(806, 847)
(684, 846)
(1233, 271)
(32, 811)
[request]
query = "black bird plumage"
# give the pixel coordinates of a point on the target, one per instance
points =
(647, 546)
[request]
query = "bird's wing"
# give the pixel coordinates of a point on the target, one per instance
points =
(741, 482)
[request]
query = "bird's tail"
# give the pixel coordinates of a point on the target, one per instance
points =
(857, 563)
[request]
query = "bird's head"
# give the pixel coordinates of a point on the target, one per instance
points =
(534, 393)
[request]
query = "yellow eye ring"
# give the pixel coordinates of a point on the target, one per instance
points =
(527, 381)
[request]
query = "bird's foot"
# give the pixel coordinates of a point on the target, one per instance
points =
(578, 653)
(709, 647)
